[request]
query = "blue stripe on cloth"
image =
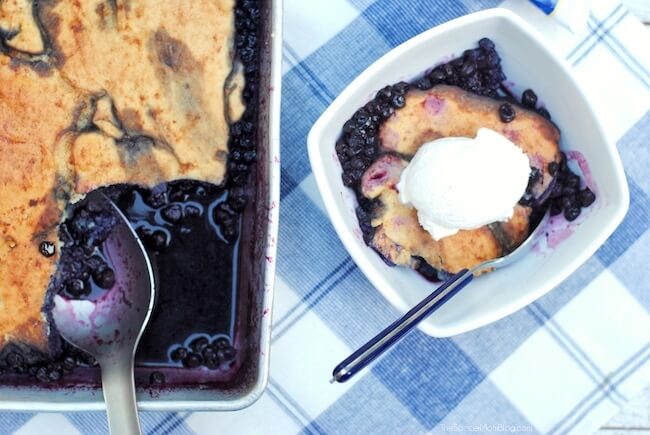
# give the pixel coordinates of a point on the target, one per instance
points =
(575, 352)
(287, 183)
(490, 345)
(430, 376)
(399, 20)
(89, 422)
(633, 60)
(12, 421)
(615, 47)
(487, 405)
(592, 34)
(311, 300)
(178, 427)
(294, 415)
(635, 153)
(596, 396)
(284, 399)
(299, 111)
(554, 300)
(634, 224)
(319, 90)
(602, 32)
(158, 423)
(310, 86)
(309, 248)
(366, 403)
(355, 311)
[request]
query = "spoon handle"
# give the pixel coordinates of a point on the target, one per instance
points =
(119, 395)
(393, 333)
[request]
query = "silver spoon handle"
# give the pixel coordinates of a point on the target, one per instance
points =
(119, 395)
(389, 336)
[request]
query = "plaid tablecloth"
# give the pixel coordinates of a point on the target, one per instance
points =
(565, 364)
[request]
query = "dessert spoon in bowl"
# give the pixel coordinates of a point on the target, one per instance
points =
(109, 327)
(398, 329)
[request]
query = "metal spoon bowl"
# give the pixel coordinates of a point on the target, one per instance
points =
(398, 329)
(109, 328)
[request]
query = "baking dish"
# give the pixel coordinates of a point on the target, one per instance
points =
(256, 273)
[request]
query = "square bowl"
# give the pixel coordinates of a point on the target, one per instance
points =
(527, 62)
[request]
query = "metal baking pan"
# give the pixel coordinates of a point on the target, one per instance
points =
(256, 273)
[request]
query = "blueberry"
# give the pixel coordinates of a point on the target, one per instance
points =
(69, 363)
(230, 231)
(221, 343)
(77, 288)
(572, 180)
(401, 88)
(192, 360)
(572, 213)
(54, 375)
(486, 44)
(529, 99)
(568, 201)
(467, 69)
(398, 101)
(104, 277)
(423, 84)
(209, 355)
(178, 354)
(569, 191)
(535, 175)
(192, 211)
(47, 249)
(386, 110)
(506, 112)
(556, 207)
(42, 375)
(385, 94)
(437, 75)
(545, 113)
(448, 70)
(158, 240)
(557, 190)
(198, 344)
(586, 197)
(552, 168)
(14, 359)
(156, 378)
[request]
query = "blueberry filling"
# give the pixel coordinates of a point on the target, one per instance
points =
(506, 112)
(478, 71)
(567, 197)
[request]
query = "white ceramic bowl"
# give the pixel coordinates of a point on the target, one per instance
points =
(527, 62)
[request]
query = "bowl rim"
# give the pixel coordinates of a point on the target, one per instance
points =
(335, 213)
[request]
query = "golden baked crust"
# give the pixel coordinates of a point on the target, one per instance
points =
(95, 93)
(447, 111)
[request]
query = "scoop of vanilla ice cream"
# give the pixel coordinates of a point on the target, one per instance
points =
(460, 183)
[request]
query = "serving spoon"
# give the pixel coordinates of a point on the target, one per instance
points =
(398, 329)
(109, 327)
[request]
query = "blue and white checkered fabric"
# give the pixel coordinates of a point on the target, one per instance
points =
(565, 364)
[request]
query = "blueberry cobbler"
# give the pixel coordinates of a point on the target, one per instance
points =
(153, 102)
(453, 169)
